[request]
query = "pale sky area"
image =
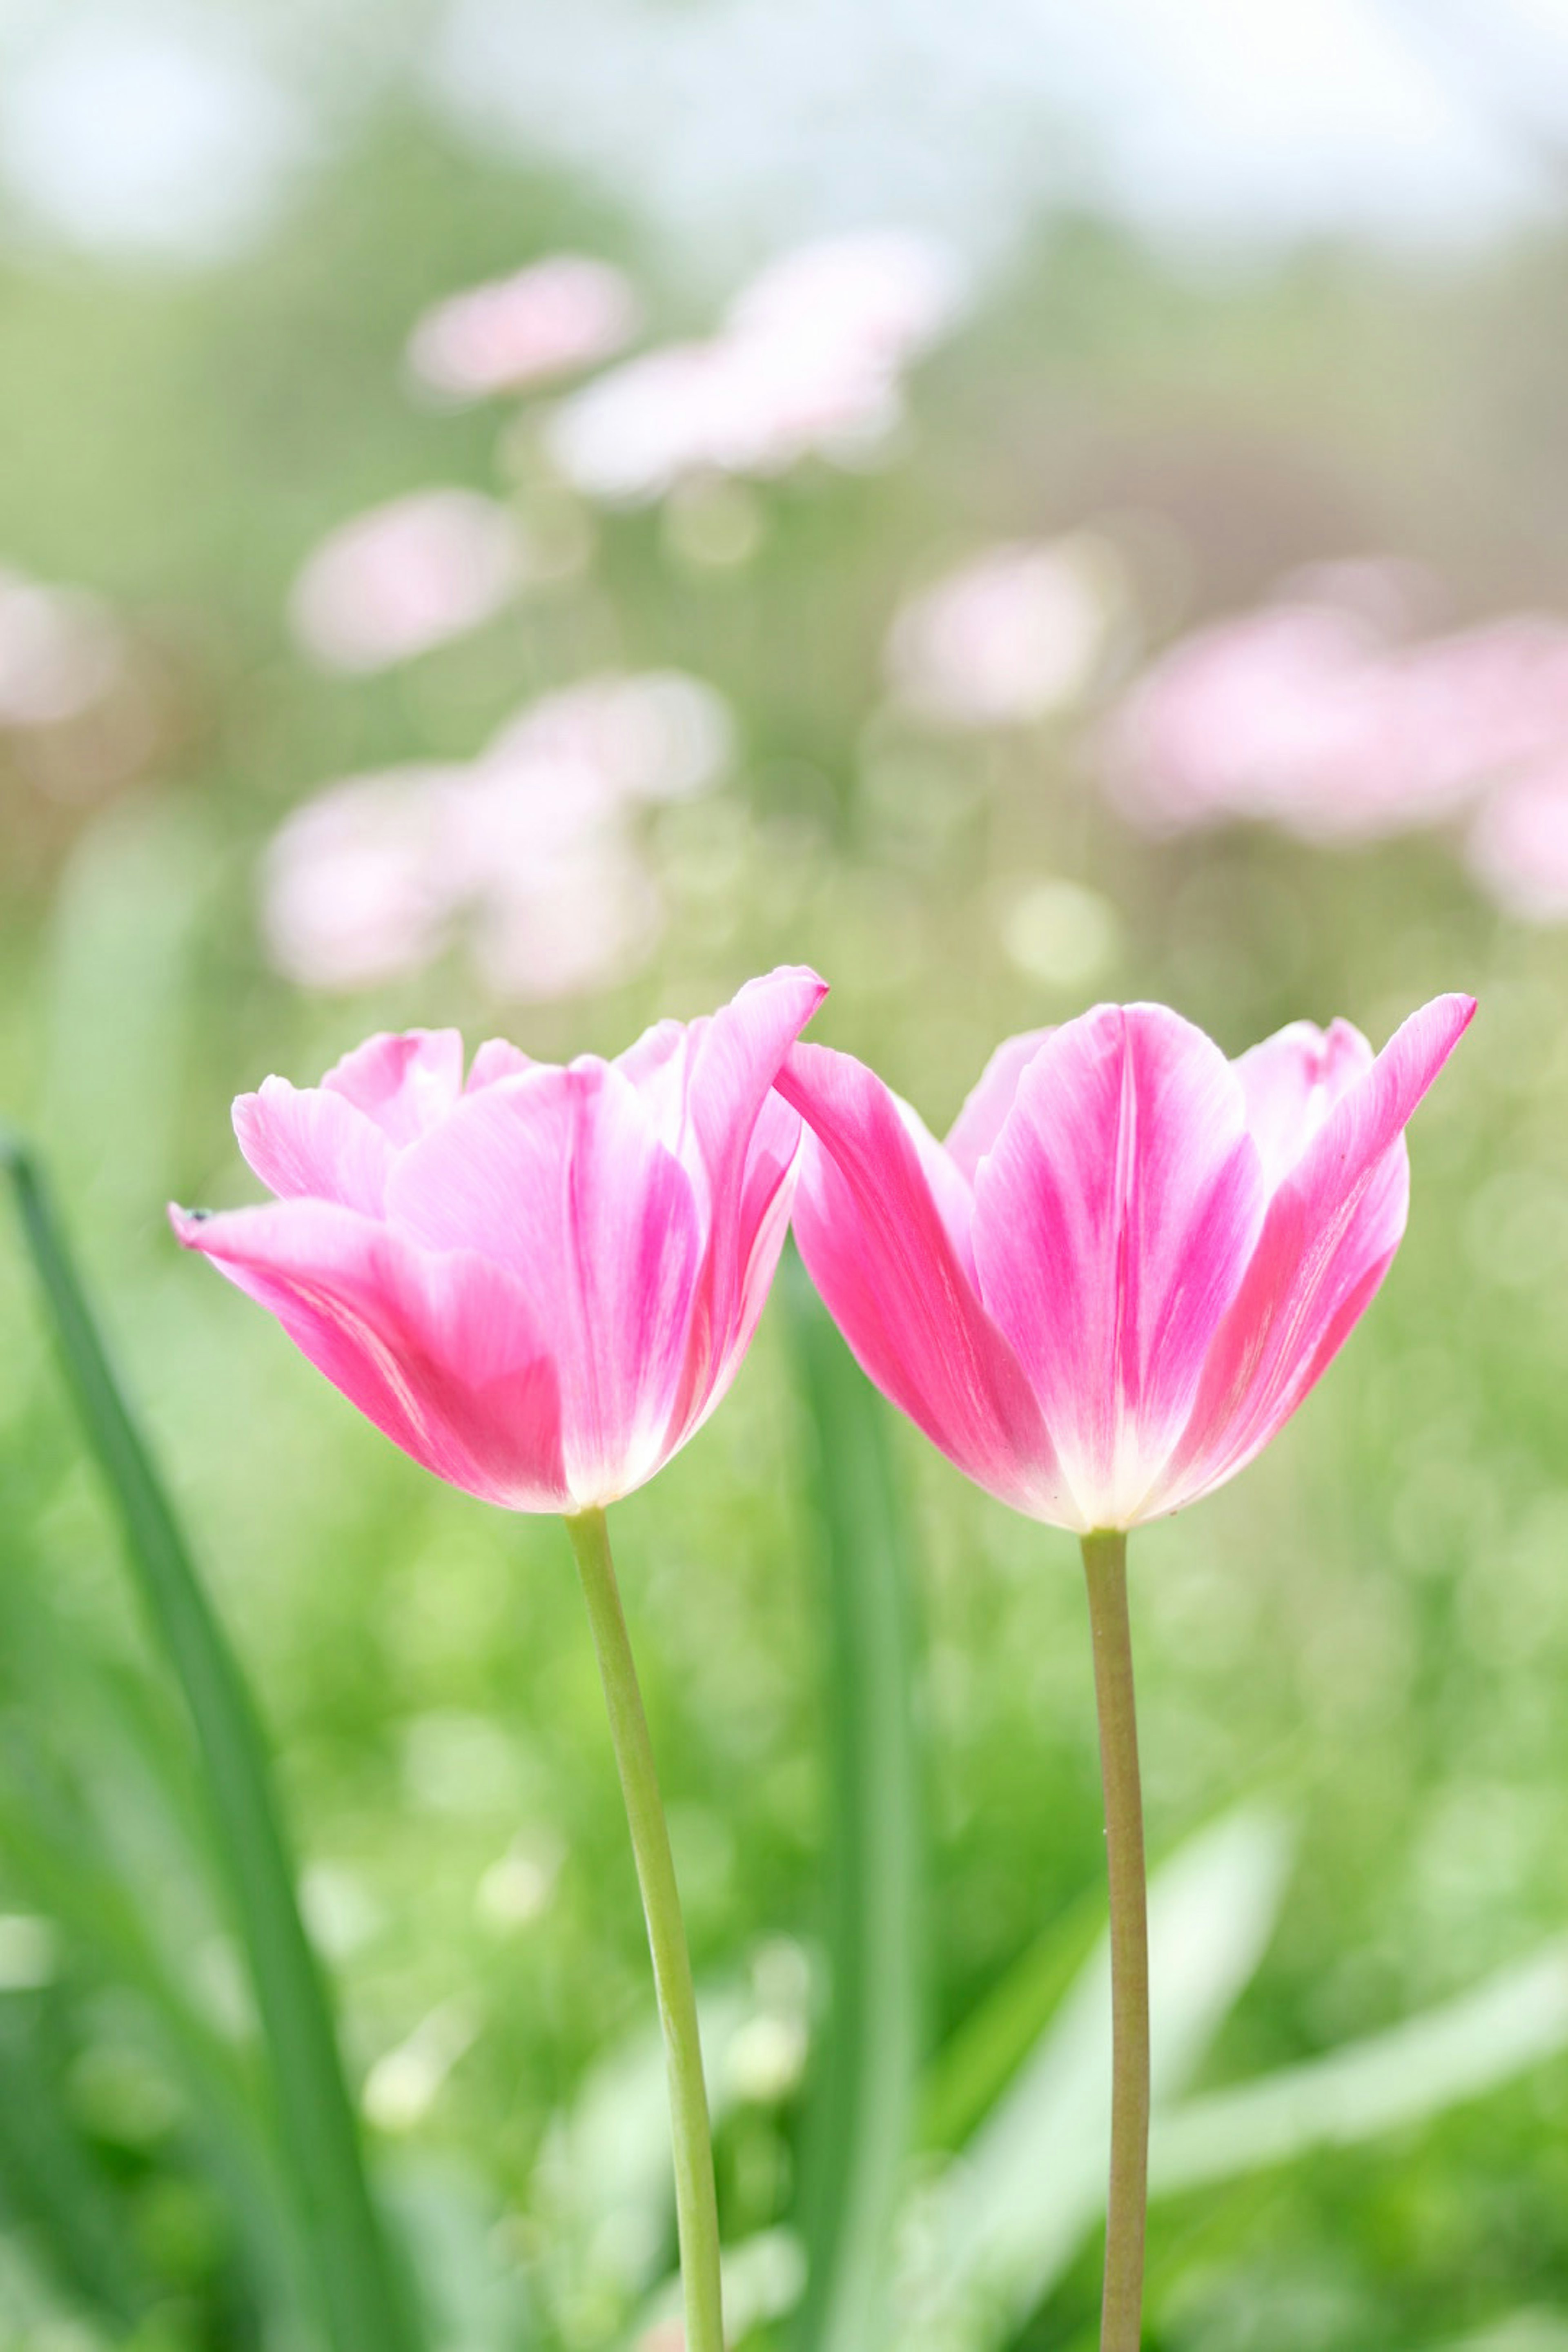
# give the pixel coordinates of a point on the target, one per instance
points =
(733, 126)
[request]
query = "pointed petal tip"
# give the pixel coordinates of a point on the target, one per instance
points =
(186, 1224)
(1438, 1025)
(247, 1111)
(808, 985)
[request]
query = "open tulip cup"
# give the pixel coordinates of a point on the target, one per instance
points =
(540, 1282)
(1101, 1297)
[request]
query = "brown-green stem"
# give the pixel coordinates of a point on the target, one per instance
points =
(696, 2208)
(1105, 1566)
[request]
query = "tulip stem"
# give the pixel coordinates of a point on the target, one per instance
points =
(1105, 1566)
(695, 2205)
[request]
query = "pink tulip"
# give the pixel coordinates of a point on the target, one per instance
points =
(1131, 1259)
(1118, 1278)
(539, 1283)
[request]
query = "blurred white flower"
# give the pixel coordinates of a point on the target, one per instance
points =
(59, 652)
(556, 315)
(516, 1889)
(583, 920)
(1010, 637)
(808, 361)
(406, 576)
(886, 292)
(656, 736)
(1518, 847)
(357, 887)
(1314, 716)
(404, 2083)
(529, 852)
(639, 430)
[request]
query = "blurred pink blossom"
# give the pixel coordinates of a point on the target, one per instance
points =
(557, 315)
(406, 576)
(1011, 635)
(592, 916)
(1314, 715)
(528, 853)
(809, 361)
(888, 293)
(59, 652)
(1518, 847)
(657, 736)
(357, 883)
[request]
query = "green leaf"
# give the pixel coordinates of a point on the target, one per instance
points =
(860, 2118)
(970, 2074)
(364, 2306)
(1460, 2049)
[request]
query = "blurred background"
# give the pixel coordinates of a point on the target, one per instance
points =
(523, 518)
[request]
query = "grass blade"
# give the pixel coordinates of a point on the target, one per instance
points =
(365, 2307)
(1386, 2081)
(969, 2076)
(860, 2123)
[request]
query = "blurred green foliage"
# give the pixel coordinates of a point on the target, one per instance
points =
(1370, 1629)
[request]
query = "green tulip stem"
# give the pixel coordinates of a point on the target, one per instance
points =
(1105, 1566)
(695, 2205)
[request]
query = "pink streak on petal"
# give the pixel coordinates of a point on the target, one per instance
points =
(497, 1058)
(443, 1353)
(990, 1099)
(312, 1144)
(1114, 1219)
(1293, 1081)
(710, 1091)
(773, 1171)
(405, 1083)
(875, 1245)
(558, 1178)
(734, 1060)
(1332, 1231)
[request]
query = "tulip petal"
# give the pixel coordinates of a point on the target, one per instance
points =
(307, 1143)
(716, 1354)
(1331, 1230)
(952, 1192)
(404, 1083)
(1293, 1081)
(734, 1059)
(442, 1353)
(558, 1177)
(497, 1058)
(878, 1250)
(1114, 1218)
(656, 1064)
(705, 1082)
(990, 1099)
(708, 1089)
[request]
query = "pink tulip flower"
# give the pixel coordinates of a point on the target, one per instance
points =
(539, 1283)
(1102, 1298)
(1131, 1259)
